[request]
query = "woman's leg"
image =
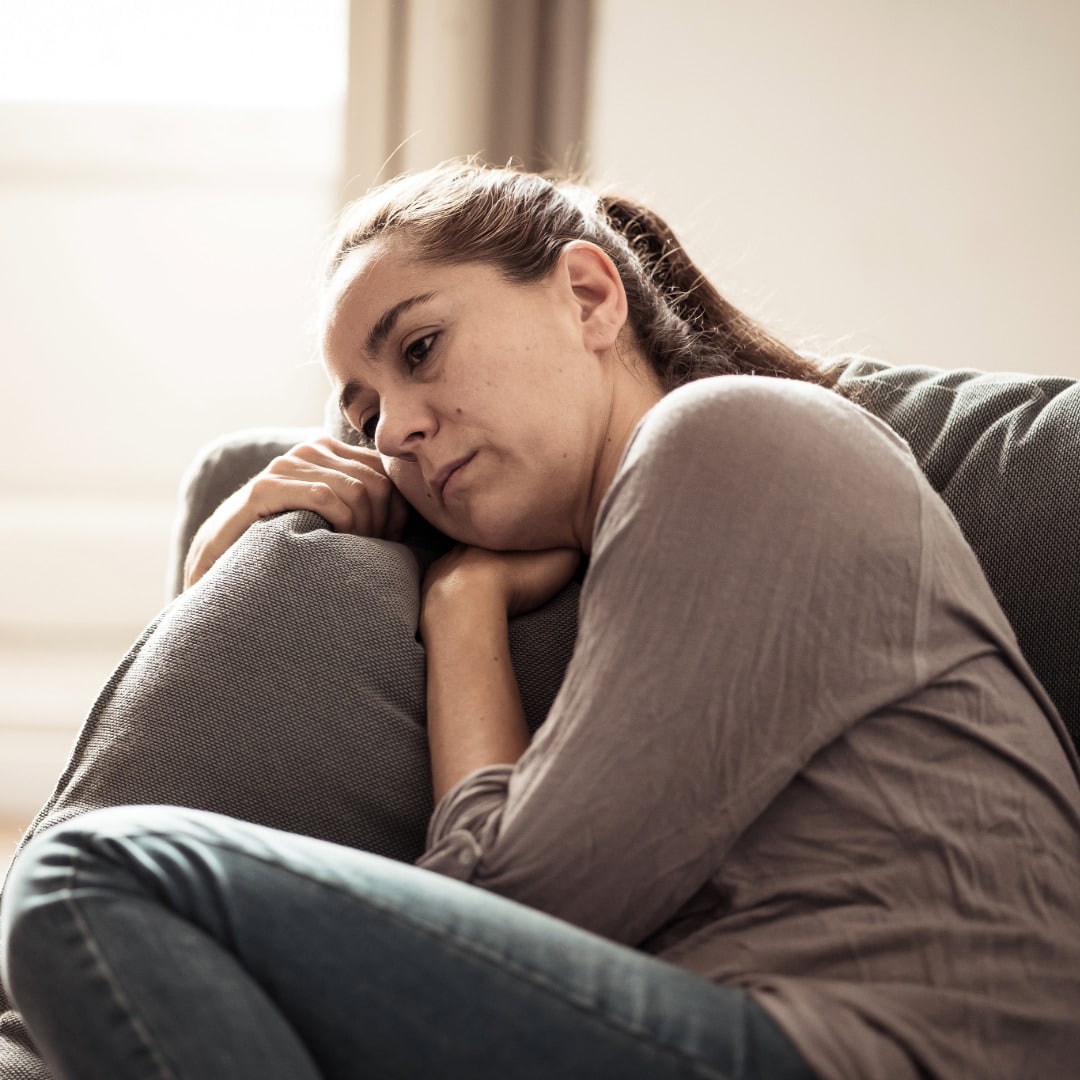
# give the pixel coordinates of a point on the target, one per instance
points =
(156, 942)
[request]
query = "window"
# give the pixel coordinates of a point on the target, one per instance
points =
(167, 174)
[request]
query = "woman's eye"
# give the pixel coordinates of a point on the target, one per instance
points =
(417, 352)
(368, 426)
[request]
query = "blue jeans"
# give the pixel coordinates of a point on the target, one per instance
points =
(152, 942)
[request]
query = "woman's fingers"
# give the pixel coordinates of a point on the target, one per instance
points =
(333, 453)
(344, 484)
(270, 494)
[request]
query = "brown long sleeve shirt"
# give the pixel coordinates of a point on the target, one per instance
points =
(798, 751)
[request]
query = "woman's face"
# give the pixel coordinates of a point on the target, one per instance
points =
(487, 400)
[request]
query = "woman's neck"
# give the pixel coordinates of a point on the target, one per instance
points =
(635, 389)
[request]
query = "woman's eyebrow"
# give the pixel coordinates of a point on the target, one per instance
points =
(381, 330)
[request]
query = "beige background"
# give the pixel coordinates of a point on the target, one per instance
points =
(863, 175)
(900, 178)
(168, 173)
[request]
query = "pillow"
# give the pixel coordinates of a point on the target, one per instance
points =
(1003, 451)
(285, 688)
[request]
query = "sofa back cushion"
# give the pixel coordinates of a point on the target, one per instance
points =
(1003, 451)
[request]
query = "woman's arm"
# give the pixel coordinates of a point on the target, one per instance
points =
(344, 484)
(475, 718)
(750, 597)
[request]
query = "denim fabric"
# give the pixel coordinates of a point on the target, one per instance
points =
(146, 942)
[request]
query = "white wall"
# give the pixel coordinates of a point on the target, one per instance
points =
(864, 175)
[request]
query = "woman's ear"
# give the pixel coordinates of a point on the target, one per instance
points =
(598, 292)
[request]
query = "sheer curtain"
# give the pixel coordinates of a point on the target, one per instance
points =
(432, 79)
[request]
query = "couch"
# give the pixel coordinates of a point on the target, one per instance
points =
(242, 695)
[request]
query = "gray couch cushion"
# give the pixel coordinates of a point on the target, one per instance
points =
(1003, 451)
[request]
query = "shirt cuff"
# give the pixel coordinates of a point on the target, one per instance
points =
(465, 822)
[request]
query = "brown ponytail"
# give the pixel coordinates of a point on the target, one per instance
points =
(719, 338)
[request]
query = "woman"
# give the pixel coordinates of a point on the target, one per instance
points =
(800, 808)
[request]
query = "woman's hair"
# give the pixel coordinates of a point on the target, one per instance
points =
(519, 222)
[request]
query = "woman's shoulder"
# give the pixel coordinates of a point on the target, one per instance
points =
(729, 457)
(766, 415)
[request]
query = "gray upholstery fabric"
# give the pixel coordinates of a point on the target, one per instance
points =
(287, 688)
(1003, 451)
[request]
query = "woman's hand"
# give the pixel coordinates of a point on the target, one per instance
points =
(344, 484)
(510, 582)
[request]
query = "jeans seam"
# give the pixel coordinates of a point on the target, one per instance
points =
(492, 957)
(98, 956)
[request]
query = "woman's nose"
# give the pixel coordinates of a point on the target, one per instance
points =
(403, 425)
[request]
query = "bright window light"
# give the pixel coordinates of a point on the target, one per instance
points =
(188, 52)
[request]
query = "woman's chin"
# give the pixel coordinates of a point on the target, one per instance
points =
(496, 531)
(495, 536)
(463, 532)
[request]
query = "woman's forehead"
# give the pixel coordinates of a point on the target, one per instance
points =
(353, 275)
(367, 294)
(372, 278)
(364, 280)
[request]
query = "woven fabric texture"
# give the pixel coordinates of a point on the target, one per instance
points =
(1003, 451)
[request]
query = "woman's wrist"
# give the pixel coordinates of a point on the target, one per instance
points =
(451, 607)
(473, 582)
(474, 712)
(216, 535)
(475, 716)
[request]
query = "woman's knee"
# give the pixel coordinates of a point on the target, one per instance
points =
(57, 859)
(130, 850)
(55, 867)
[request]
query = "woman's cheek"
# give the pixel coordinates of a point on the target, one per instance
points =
(423, 502)
(406, 477)
(420, 500)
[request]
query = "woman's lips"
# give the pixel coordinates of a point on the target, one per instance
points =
(453, 476)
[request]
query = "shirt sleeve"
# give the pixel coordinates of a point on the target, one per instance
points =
(755, 588)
